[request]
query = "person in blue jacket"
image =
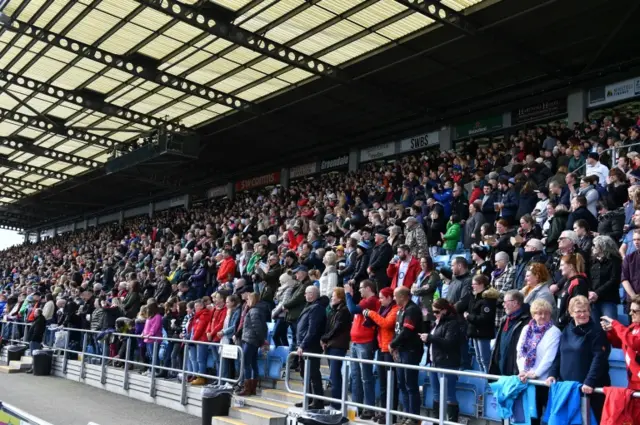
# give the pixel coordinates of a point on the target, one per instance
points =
(507, 199)
(445, 197)
(583, 354)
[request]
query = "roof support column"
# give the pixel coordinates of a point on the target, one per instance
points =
(38, 232)
(231, 191)
(354, 159)
(26, 236)
(284, 178)
(187, 202)
(445, 135)
(121, 217)
(85, 225)
(152, 209)
(74, 226)
(576, 107)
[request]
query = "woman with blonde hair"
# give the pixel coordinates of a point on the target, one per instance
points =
(537, 348)
(329, 277)
(582, 355)
(575, 283)
(537, 286)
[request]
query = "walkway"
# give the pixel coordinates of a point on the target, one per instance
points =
(64, 402)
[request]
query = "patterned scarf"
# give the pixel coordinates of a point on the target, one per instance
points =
(531, 340)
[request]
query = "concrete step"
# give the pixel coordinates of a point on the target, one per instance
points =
(224, 420)
(17, 364)
(9, 369)
(281, 396)
(263, 403)
(295, 385)
(254, 416)
(26, 360)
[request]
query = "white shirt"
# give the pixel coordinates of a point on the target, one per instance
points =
(402, 272)
(541, 206)
(600, 170)
(546, 351)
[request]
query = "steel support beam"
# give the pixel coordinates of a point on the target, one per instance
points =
(85, 100)
(237, 35)
(5, 162)
(131, 66)
(445, 15)
(4, 180)
(60, 130)
(27, 146)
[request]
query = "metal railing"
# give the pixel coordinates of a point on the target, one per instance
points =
(153, 365)
(585, 406)
(614, 158)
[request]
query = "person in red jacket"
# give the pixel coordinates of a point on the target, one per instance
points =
(295, 237)
(627, 338)
(227, 268)
(219, 312)
(404, 268)
(198, 328)
(363, 345)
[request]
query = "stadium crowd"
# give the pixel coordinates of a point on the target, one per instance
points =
(510, 256)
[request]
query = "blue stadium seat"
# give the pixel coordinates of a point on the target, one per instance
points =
(468, 392)
(618, 368)
(276, 360)
(622, 293)
(475, 365)
(620, 309)
(440, 261)
(427, 392)
(624, 319)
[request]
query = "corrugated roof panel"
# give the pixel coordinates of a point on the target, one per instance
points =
(299, 24)
(212, 71)
(12, 6)
(73, 78)
(48, 182)
(28, 191)
(7, 101)
(195, 101)
(39, 161)
(58, 165)
(405, 26)
(159, 47)
(30, 132)
(339, 6)
(328, 37)
(241, 55)
(30, 10)
(119, 8)
(30, 178)
(66, 19)
(218, 108)
(89, 151)
(196, 118)
(8, 127)
(102, 158)
(238, 80)
(269, 15)
(62, 112)
(74, 171)
(217, 46)
(377, 13)
(269, 66)
(91, 65)
(125, 38)
(355, 49)
(182, 32)
(15, 174)
(104, 84)
(188, 62)
(7, 57)
(49, 138)
(5, 150)
(295, 75)
(93, 26)
(127, 96)
(232, 4)
(19, 65)
(60, 55)
(151, 19)
(20, 156)
(120, 136)
(70, 145)
(264, 89)
(176, 59)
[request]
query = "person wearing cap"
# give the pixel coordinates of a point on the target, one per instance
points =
(507, 202)
(296, 303)
(595, 168)
(381, 255)
(361, 264)
(385, 320)
(479, 254)
(415, 237)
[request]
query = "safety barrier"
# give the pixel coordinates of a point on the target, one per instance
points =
(12, 415)
(345, 403)
(230, 352)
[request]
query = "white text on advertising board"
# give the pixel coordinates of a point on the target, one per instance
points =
(340, 161)
(302, 170)
(377, 152)
(420, 142)
(258, 181)
(214, 192)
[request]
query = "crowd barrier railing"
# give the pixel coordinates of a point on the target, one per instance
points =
(20, 328)
(390, 367)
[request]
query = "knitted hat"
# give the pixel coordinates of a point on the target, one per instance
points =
(386, 292)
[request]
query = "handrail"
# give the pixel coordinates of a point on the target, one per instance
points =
(609, 150)
(585, 405)
(153, 366)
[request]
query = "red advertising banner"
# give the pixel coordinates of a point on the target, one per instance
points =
(266, 180)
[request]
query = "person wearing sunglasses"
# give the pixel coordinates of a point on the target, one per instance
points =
(627, 338)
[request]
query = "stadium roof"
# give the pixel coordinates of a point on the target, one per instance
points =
(81, 78)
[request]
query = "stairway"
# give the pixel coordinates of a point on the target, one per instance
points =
(15, 366)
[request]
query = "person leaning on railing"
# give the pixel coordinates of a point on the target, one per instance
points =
(583, 354)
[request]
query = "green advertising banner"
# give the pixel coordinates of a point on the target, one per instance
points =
(483, 125)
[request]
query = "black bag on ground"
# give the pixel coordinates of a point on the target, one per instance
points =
(322, 417)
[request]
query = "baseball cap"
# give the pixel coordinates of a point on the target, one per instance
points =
(301, 268)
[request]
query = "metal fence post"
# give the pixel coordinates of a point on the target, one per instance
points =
(82, 360)
(183, 390)
(125, 381)
(585, 409)
(305, 387)
(65, 358)
(105, 355)
(390, 388)
(154, 359)
(217, 347)
(13, 332)
(442, 416)
(345, 385)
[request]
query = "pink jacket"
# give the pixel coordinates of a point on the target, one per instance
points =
(153, 327)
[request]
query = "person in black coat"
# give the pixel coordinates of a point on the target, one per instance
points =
(35, 334)
(481, 316)
(381, 255)
(336, 339)
(605, 274)
(444, 352)
(516, 316)
(311, 324)
(580, 211)
(362, 263)
(583, 354)
(610, 222)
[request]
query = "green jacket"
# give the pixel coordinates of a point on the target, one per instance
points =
(452, 237)
(251, 265)
(296, 303)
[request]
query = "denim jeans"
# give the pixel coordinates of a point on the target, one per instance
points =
(451, 387)
(294, 342)
(483, 353)
(384, 386)
(250, 353)
(33, 346)
(202, 351)
(193, 358)
(215, 353)
(335, 373)
(408, 382)
(149, 350)
(280, 328)
(362, 375)
(604, 308)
